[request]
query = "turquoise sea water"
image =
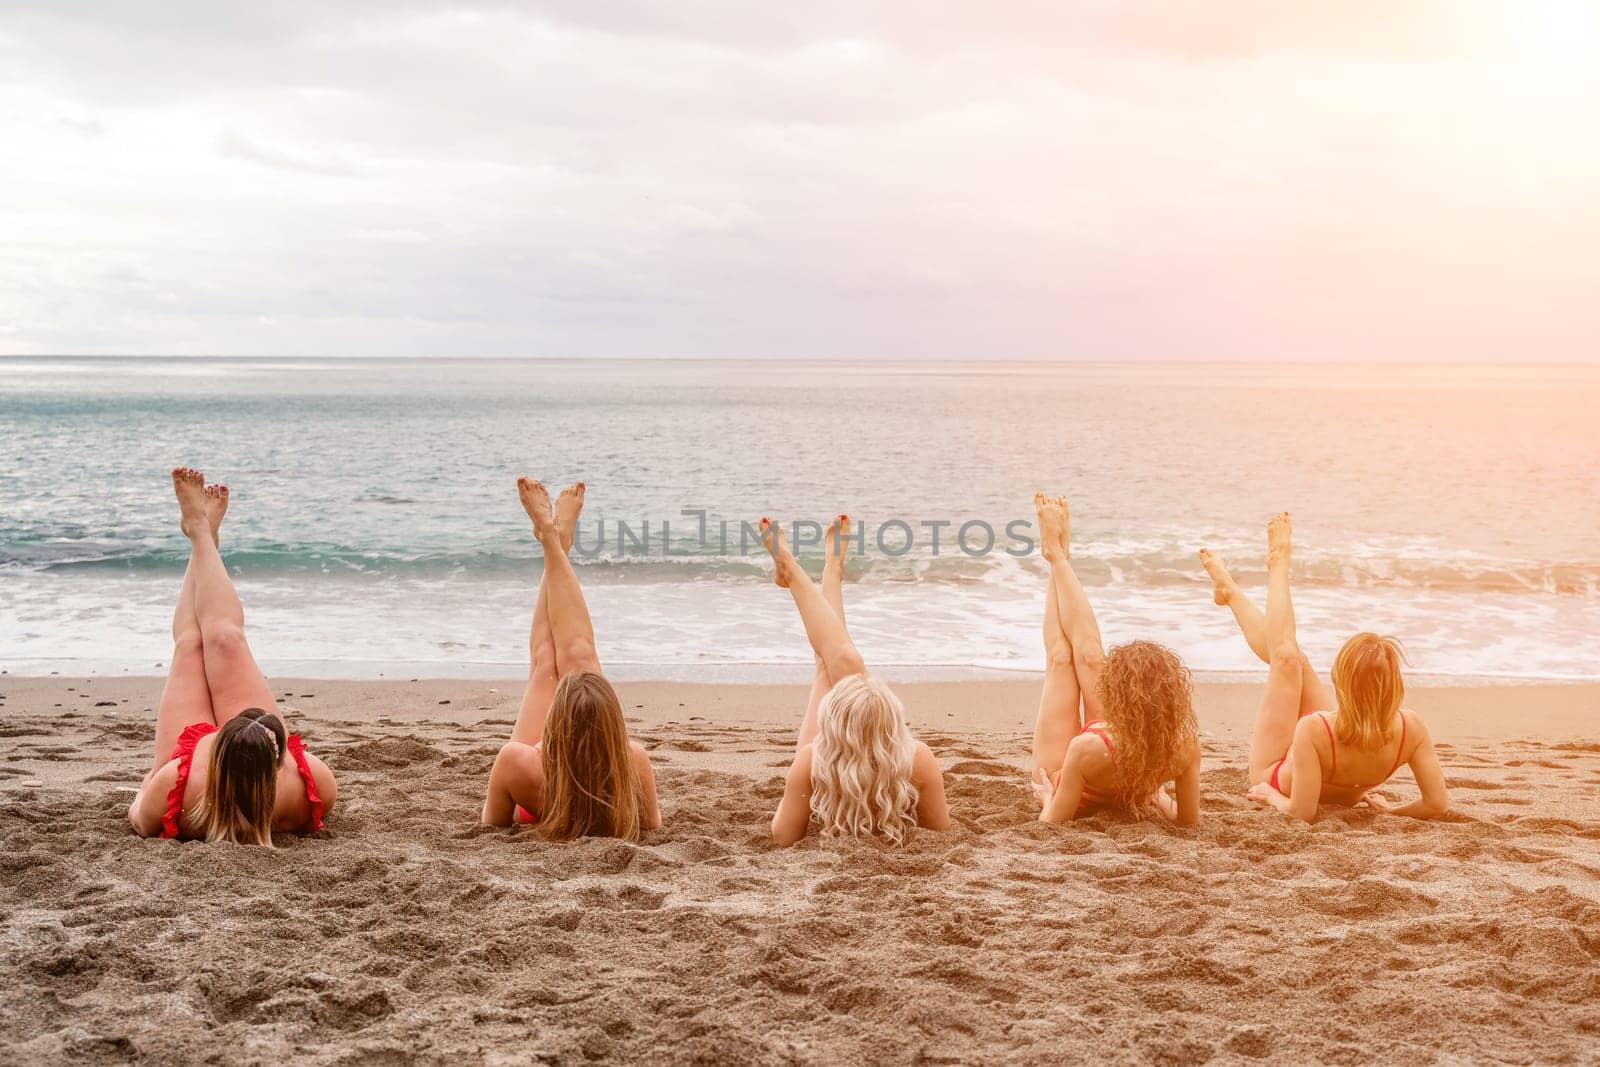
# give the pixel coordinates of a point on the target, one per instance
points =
(375, 526)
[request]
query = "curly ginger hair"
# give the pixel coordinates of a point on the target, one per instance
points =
(1148, 701)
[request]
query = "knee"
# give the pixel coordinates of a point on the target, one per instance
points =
(1286, 658)
(187, 644)
(1057, 656)
(579, 655)
(542, 665)
(1092, 658)
(224, 638)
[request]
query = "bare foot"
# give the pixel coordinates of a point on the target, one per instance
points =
(1052, 523)
(536, 502)
(216, 507)
(784, 563)
(569, 505)
(190, 487)
(1279, 534)
(1066, 527)
(1225, 587)
(835, 541)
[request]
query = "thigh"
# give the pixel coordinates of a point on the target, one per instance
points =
(536, 700)
(236, 681)
(1057, 723)
(185, 700)
(1275, 722)
(1314, 694)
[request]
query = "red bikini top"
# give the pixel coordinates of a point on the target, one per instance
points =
(183, 752)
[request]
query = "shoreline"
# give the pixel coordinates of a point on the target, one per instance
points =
(997, 706)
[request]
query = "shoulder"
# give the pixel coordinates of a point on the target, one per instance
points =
(327, 786)
(802, 759)
(1087, 750)
(1316, 728)
(1416, 730)
(924, 764)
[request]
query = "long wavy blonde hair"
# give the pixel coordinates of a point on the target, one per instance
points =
(1148, 700)
(861, 763)
(242, 780)
(1369, 689)
(590, 786)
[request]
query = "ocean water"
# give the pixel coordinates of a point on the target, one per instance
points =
(375, 529)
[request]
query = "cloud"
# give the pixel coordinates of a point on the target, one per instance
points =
(235, 145)
(1119, 180)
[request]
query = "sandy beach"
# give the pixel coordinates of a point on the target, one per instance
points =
(405, 932)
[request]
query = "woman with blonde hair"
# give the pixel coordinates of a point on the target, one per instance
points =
(857, 771)
(1307, 747)
(1137, 730)
(569, 767)
(226, 768)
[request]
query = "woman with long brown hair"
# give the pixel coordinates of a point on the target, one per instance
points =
(226, 768)
(569, 767)
(1137, 730)
(1303, 736)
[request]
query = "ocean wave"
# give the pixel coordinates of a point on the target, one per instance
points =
(1151, 566)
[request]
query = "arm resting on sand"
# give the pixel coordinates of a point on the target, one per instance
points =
(1424, 763)
(1063, 805)
(1187, 811)
(933, 812)
(793, 817)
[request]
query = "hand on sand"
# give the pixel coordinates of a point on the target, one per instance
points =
(1262, 794)
(1377, 801)
(1043, 787)
(1165, 804)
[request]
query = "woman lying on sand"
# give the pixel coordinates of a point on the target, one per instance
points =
(857, 768)
(1139, 730)
(220, 772)
(569, 766)
(1301, 754)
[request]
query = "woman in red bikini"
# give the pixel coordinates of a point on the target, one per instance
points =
(569, 767)
(1138, 728)
(1308, 748)
(226, 769)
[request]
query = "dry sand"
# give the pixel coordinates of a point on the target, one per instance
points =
(405, 932)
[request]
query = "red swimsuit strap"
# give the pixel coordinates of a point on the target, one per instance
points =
(297, 749)
(1333, 749)
(1098, 728)
(1401, 754)
(183, 752)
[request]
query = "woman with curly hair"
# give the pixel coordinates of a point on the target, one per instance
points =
(1298, 748)
(857, 770)
(1138, 728)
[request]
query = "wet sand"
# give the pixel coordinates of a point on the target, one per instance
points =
(404, 932)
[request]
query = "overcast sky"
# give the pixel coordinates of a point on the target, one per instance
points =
(1243, 179)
